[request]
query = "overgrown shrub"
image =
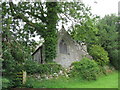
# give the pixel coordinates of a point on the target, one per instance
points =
(32, 67)
(85, 68)
(10, 68)
(99, 54)
(28, 84)
(49, 68)
(5, 83)
(114, 58)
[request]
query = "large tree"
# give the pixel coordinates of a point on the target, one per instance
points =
(108, 36)
(20, 23)
(36, 20)
(25, 20)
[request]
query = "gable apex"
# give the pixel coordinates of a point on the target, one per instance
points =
(63, 29)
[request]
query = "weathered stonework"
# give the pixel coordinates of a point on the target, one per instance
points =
(68, 50)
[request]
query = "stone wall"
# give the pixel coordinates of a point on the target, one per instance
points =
(74, 51)
(67, 49)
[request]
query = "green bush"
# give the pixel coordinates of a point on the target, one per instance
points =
(5, 83)
(10, 68)
(28, 84)
(49, 68)
(11, 65)
(114, 58)
(86, 68)
(99, 54)
(32, 67)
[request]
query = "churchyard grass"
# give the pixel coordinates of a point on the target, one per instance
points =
(104, 81)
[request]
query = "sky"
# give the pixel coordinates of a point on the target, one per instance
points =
(100, 7)
(103, 7)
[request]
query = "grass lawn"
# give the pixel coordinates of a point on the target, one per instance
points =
(109, 81)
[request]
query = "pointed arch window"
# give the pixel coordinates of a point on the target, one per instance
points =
(63, 47)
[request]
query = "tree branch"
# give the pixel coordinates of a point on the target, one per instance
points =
(18, 15)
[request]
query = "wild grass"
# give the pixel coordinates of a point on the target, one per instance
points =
(105, 81)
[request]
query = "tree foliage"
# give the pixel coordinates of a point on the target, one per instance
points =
(103, 32)
(86, 32)
(36, 18)
(83, 22)
(108, 37)
(99, 55)
(40, 18)
(21, 22)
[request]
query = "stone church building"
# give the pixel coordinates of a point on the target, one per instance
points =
(68, 50)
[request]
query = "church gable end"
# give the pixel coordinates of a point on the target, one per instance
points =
(67, 50)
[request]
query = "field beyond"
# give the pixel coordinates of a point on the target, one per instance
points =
(105, 81)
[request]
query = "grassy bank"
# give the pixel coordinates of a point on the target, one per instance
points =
(109, 81)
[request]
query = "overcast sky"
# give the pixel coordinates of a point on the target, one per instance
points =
(103, 7)
(100, 7)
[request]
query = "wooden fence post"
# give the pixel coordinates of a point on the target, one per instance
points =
(22, 76)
